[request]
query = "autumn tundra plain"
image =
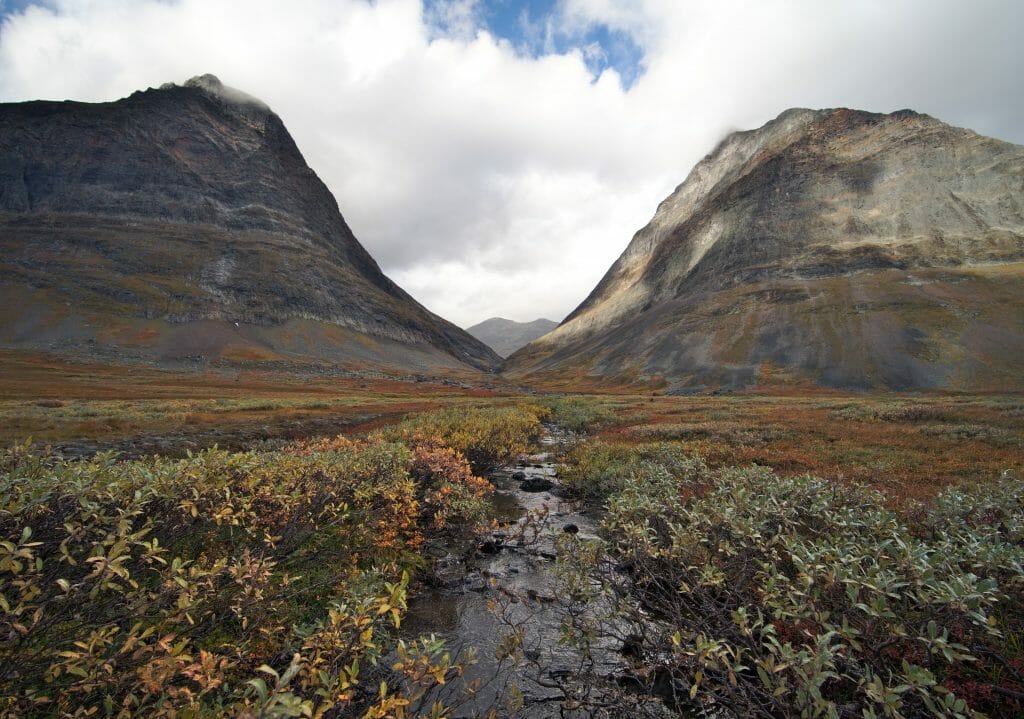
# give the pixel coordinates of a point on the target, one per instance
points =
(249, 543)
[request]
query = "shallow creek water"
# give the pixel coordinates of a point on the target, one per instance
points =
(518, 579)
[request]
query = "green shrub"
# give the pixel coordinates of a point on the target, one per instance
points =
(852, 413)
(889, 412)
(760, 595)
(580, 414)
(1012, 410)
(595, 470)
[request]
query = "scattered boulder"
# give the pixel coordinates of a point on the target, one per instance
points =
(536, 484)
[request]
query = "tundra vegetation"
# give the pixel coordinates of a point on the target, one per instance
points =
(759, 556)
(249, 584)
(769, 595)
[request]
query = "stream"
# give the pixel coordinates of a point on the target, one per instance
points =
(509, 582)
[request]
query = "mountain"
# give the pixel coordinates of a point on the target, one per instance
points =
(506, 336)
(183, 223)
(839, 247)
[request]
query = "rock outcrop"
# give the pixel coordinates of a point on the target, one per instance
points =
(840, 247)
(184, 222)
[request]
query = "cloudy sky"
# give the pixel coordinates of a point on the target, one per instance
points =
(496, 156)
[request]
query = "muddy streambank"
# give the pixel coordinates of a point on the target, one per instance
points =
(509, 586)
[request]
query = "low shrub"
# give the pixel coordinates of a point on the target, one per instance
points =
(221, 584)
(486, 437)
(743, 592)
(998, 436)
(451, 497)
(737, 436)
(892, 412)
(580, 414)
(594, 470)
(916, 413)
(1012, 410)
(850, 413)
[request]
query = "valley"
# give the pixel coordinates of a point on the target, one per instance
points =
(912, 443)
(466, 583)
(772, 466)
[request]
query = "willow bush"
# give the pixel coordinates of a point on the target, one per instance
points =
(740, 591)
(486, 437)
(580, 414)
(594, 469)
(251, 584)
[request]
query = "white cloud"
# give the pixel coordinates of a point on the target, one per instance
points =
(489, 182)
(453, 18)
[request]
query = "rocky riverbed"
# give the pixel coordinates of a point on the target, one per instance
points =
(507, 591)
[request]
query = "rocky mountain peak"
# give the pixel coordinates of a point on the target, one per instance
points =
(212, 85)
(208, 82)
(506, 336)
(812, 201)
(192, 203)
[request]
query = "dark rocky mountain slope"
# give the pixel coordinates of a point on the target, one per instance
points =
(183, 222)
(506, 336)
(840, 247)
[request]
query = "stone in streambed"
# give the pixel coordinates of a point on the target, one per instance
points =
(492, 546)
(475, 583)
(536, 484)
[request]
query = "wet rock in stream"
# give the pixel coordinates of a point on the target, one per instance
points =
(536, 484)
(492, 546)
(476, 583)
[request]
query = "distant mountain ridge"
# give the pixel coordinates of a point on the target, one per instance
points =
(506, 336)
(184, 222)
(841, 247)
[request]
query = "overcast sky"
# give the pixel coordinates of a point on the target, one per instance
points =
(495, 157)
